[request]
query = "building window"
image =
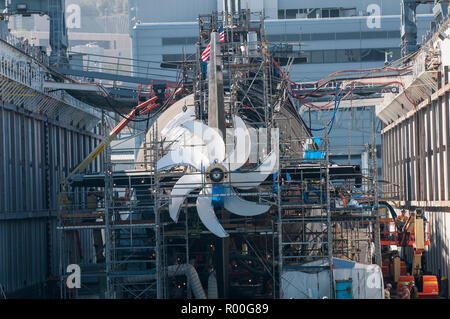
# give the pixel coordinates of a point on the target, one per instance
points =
(348, 55)
(329, 56)
(104, 44)
(323, 36)
(348, 35)
(372, 55)
(314, 13)
(179, 41)
(334, 36)
(394, 34)
(172, 57)
(317, 56)
(334, 13)
(307, 56)
(291, 13)
(177, 57)
(374, 35)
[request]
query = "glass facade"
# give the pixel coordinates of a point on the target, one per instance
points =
(394, 34)
(314, 13)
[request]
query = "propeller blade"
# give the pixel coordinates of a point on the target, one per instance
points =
(255, 178)
(241, 152)
(242, 207)
(211, 137)
(184, 156)
(178, 120)
(180, 137)
(207, 216)
(184, 186)
(175, 136)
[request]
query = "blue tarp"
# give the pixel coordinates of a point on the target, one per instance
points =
(314, 155)
(217, 201)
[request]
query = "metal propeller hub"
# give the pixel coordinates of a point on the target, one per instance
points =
(222, 168)
(216, 173)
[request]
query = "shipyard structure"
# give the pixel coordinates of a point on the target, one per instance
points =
(203, 177)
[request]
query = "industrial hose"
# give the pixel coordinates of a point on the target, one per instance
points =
(213, 292)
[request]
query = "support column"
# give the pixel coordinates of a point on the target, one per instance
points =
(108, 196)
(409, 27)
(216, 119)
(376, 212)
(216, 112)
(58, 32)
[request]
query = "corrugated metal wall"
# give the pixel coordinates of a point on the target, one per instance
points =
(415, 153)
(23, 253)
(438, 255)
(416, 162)
(35, 154)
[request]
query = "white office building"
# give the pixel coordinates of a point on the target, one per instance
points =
(333, 35)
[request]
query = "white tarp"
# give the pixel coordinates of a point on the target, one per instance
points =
(367, 281)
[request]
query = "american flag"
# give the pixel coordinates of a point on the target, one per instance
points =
(206, 53)
(221, 34)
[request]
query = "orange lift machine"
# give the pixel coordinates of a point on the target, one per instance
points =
(413, 235)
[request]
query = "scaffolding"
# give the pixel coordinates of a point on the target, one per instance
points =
(135, 243)
(319, 211)
(327, 216)
(115, 221)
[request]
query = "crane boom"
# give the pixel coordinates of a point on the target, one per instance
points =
(141, 109)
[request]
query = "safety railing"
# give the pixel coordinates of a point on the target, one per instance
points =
(119, 66)
(37, 52)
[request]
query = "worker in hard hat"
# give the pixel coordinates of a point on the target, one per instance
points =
(414, 292)
(401, 220)
(405, 293)
(387, 291)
